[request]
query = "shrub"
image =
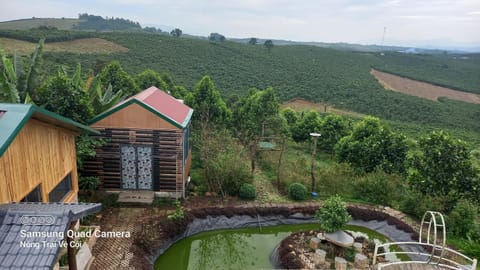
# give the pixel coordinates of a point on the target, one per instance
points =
(179, 213)
(247, 191)
(88, 183)
(378, 187)
(333, 215)
(416, 204)
(350, 254)
(111, 200)
(297, 192)
(462, 219)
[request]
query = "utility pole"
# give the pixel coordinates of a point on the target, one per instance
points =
(314, 151)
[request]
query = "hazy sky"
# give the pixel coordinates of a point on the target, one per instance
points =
(408, 22)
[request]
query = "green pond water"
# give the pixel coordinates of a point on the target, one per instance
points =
(247, 248)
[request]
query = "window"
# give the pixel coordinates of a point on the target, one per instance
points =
(59, 193)
(33, 196)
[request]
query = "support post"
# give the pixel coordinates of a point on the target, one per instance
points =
(72, 260)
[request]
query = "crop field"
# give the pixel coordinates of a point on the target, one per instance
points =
(422, 89)
(84, 46)
(302, 105)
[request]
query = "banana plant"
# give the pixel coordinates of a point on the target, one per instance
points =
(101, 100)
(16, 84)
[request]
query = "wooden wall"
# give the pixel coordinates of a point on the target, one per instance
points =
(134, 116)
(40, 154)
(167, 157)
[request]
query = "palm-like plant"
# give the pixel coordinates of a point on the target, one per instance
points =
(17, 84)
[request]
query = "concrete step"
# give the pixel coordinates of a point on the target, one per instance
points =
(136, 197)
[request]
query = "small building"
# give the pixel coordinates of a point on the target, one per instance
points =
(37, 155)
(147, 145)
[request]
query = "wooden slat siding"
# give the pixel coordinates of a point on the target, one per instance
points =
(40, 154)
(166, 153)
(134, 117)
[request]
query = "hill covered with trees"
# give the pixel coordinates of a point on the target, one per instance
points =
(338, 78)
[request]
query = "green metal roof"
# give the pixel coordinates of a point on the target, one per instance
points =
(15, 116)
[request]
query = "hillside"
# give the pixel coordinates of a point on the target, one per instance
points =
(340, 78)
(85, 21)
(25, 24)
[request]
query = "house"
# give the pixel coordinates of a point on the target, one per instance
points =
(37, 155)
(147, 145)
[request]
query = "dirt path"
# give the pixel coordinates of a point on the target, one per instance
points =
(421, 89)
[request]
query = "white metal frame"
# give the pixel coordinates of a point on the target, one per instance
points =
(431, 220)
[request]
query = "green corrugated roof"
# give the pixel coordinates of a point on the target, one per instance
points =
(15, 116)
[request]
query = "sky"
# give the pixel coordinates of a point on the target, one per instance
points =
(421, 23)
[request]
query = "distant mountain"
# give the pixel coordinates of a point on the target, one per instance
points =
(348, 46)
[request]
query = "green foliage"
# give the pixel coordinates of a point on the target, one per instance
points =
(16, 82)
(379, 187)
(210, 109)
(179, 213)
(462, 220)
(46, 33)
(65, 95)
(88, 183)
(416, 204)
(333, 214)
(99, 99)
(177, 32)
(150, 77)
(442, 167)
(310, 122)
(253, 41)
(247, 192)
(268, 44)
(216, 37)
(93, 22)
(371, 145)
(339, 78)
(333, 127)
(290, 115)
(350, 253)
(228, 166)
(109, 201)
(297, 192)
(85, 146)
(253, 115)
(113, 74)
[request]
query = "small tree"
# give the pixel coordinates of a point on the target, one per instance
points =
(442, 166)
(113, 74)
(253, 41)
(333, 215)
(268, 44)
(177, 32)
(148, 78)
(216, 37)
(372, 144)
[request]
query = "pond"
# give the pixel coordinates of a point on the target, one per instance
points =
(247, 248)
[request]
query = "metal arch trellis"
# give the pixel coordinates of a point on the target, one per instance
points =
(440, 255)
(435, 219)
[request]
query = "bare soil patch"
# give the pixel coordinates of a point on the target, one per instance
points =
(84, 45)
(301, 105)
(421, 89)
